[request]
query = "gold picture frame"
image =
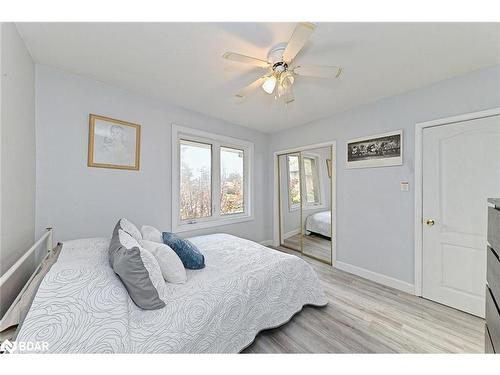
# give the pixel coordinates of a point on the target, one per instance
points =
(329, 167)
(117, 144)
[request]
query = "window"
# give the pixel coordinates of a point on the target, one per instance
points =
(231, 181)
(196, 180)
(293, 182)
(311, 177)
(211, 182)
(311, 186)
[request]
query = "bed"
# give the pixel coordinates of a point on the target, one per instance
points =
(320, 223)
(82, 307)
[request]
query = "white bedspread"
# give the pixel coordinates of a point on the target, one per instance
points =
(320, 222)
(81, 305)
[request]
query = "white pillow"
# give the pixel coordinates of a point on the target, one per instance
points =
(171, 266)
(150, 233)
(154, 269)
(131, 229)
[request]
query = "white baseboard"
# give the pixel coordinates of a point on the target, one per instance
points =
(291, 233)
(267, 243)
(376, 277)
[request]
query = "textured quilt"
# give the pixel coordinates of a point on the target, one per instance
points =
(82, 307)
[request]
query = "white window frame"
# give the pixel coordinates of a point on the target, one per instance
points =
(306, 206)
(217, 141)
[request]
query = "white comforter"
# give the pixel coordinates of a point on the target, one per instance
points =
(320, 222)
(81, 305)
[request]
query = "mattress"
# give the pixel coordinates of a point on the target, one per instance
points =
(82, 306)
(320, 222)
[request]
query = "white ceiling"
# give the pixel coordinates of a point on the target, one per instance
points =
(181, 62)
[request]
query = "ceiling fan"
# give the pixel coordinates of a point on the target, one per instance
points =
(280, 71)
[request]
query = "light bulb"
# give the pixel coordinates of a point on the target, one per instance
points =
(269, 85)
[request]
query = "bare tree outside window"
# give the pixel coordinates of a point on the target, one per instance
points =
(212, 181)
(293, 180)
(231, 181)
(195, 180)
(311, 180)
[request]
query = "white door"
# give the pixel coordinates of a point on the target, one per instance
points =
(461, 168)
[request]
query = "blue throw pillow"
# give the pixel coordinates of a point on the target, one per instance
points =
(189, 254)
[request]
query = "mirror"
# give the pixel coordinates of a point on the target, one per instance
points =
(316, 204)
(305, 191)
(290, 207)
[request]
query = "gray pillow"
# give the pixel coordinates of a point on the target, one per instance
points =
(128, 263)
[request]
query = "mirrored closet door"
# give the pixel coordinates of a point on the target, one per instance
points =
(305, 191)
(316, 204)
(290, 198)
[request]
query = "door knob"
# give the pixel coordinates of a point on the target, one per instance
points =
(430, 222)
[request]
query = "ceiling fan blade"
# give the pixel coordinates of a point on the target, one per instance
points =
(299, 38)
(238, 57)
(321, 71)
(251, 87)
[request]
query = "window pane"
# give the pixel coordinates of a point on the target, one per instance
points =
(293, 180)
(196, 180)
(231, 181)
(308, 168)
(312, 180)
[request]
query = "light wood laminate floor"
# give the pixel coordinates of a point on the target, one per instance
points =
(366, 317)
(314, 244)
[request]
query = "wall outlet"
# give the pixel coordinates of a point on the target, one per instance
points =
(405, 186)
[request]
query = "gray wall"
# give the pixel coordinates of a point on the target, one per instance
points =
(80, 201)
(17, 148)
(374, 218)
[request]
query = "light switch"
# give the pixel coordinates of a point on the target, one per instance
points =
(405, 186)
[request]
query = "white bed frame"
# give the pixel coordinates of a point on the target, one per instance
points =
(14, 271)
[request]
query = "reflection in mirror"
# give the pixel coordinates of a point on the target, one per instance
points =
(316, 203)
(289, 194)
(305, 197)
(316, 221)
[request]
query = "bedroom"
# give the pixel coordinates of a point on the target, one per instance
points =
(249, 187)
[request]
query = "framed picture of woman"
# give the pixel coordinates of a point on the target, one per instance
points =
(113, 143)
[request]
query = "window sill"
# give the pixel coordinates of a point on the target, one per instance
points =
(314, 207)
(309, 207)
(210, 223)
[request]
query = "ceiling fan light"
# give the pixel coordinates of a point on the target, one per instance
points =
(269, 85)
(287, 79)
